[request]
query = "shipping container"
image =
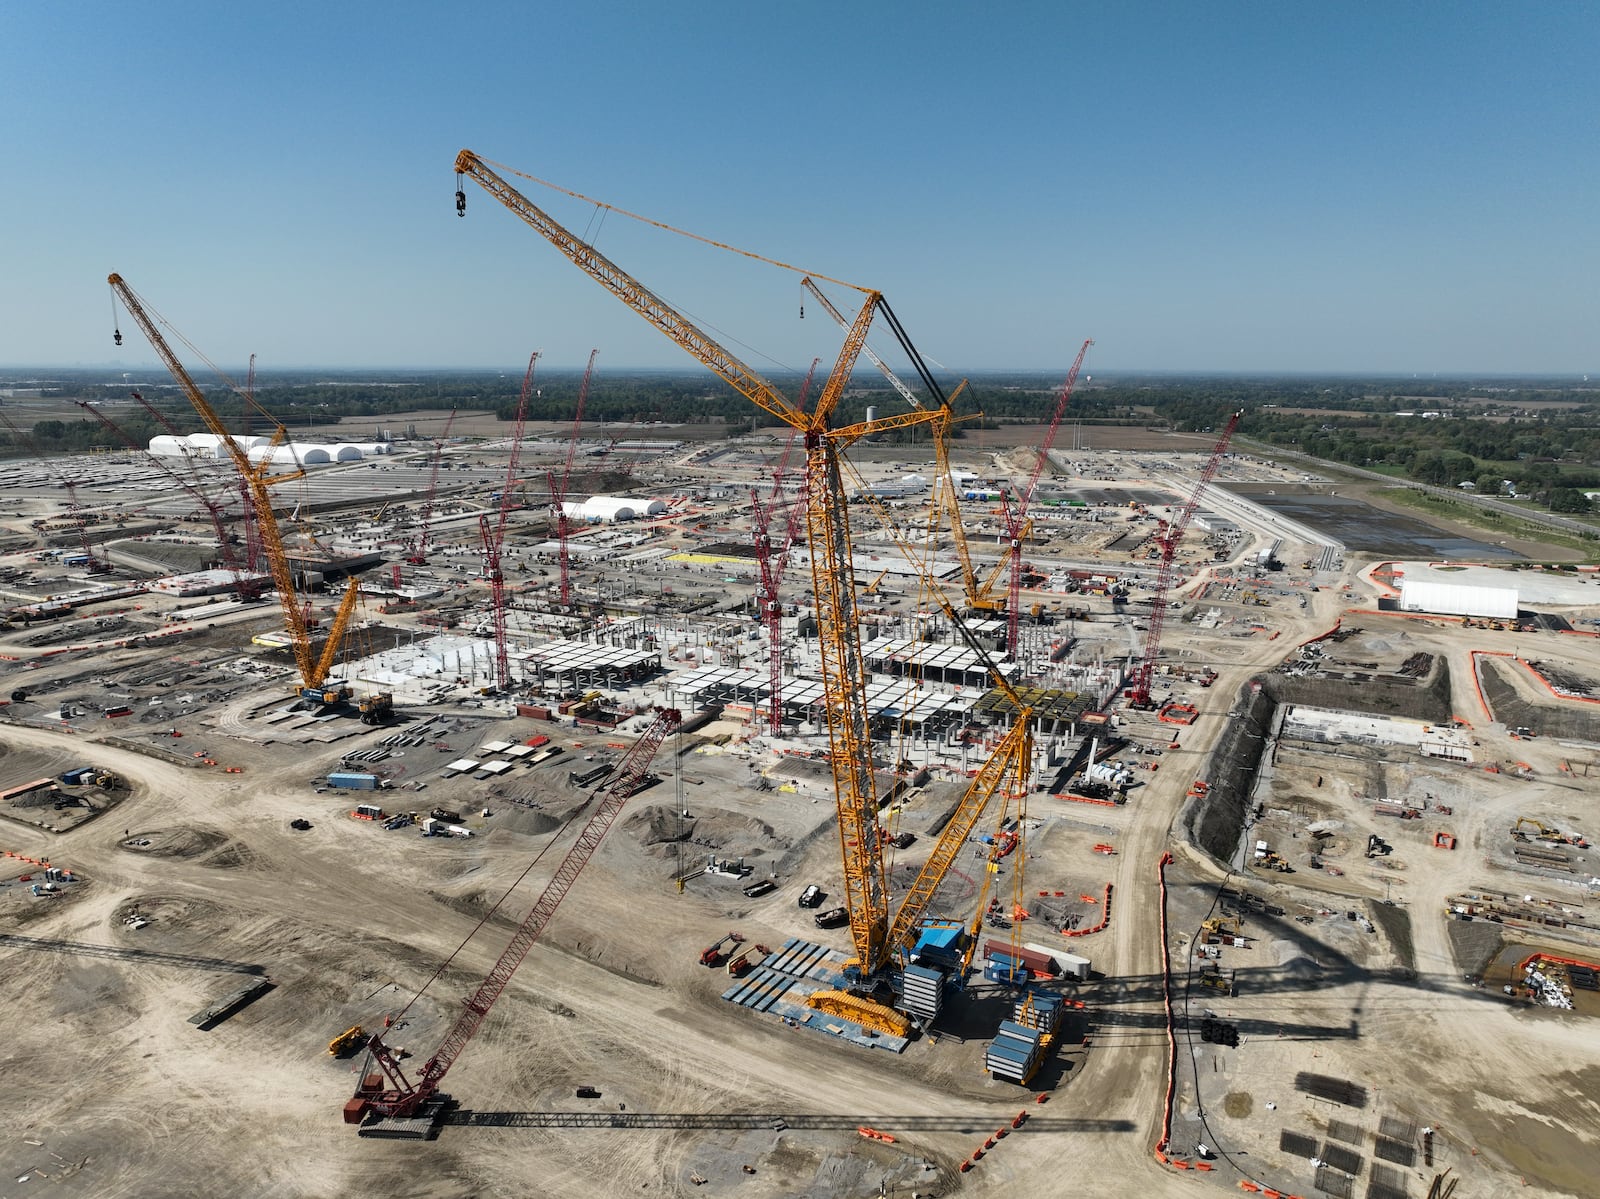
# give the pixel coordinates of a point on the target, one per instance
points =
(79, 775)
(533, 711)
(353, 780)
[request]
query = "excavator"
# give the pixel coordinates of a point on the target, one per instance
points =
(1543, 832)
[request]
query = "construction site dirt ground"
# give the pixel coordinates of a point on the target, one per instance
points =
(195, 884)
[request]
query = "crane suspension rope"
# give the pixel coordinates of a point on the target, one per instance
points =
(461, 210)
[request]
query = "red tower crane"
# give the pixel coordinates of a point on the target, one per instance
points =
(397, 1095)
(773, 564)
(419, 552)
(1017, 523)
(558, 489)
(494, 535)
(1138, 691)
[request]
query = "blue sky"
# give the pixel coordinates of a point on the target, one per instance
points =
(1229, 187)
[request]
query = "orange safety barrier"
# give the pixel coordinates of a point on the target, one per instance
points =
(1550, 957)
(1105, 916)
(1104, 803)
(1166, 993)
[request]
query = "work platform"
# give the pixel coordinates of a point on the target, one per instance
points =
(779, 985)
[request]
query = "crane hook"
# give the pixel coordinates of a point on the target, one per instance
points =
(116, 336)
(461, 197)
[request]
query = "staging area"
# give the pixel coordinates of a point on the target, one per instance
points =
(1327, 1005)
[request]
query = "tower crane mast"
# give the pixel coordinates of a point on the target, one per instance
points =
(1138, 691)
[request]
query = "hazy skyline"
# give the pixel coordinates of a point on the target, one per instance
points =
(1386, 189)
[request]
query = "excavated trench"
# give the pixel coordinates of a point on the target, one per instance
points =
(1216, 821)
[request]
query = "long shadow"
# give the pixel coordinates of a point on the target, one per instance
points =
(153, 956)
(777, 1121)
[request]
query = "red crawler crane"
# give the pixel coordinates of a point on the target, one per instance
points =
(393, 1094)
(558, 490)
(1017, 523)
(245, 588)
(419, 553)
(252, 538)
(494, 535)
(1138, 692)
(773, 563)
(94, 565)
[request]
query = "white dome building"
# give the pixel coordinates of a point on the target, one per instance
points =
(609, 509)
(200, 445)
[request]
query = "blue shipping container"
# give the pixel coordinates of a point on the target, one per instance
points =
(353, 781)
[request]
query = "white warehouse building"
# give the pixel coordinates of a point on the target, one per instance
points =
(1458, 599)
(609, 509)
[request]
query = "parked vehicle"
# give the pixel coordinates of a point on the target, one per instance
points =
(812, 897)
(833, 918)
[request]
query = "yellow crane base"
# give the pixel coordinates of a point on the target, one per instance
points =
(865, 1012)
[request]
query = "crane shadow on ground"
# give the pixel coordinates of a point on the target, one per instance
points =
(151, 957)
(975, 1123)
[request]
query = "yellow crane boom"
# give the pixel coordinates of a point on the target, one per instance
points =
(828, 531)
(258, 481)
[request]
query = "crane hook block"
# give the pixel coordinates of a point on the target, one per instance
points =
(461, 202)
(116, 337)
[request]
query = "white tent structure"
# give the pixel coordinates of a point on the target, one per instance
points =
(609, 509)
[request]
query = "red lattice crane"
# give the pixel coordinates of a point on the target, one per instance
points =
(494, 535)
(95, 565)
(1138, 690)
(773, 563)
(252, 538)
(246, 588)
(398, 1095)
(419, 552)
(558, 489)
(1018, 525)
